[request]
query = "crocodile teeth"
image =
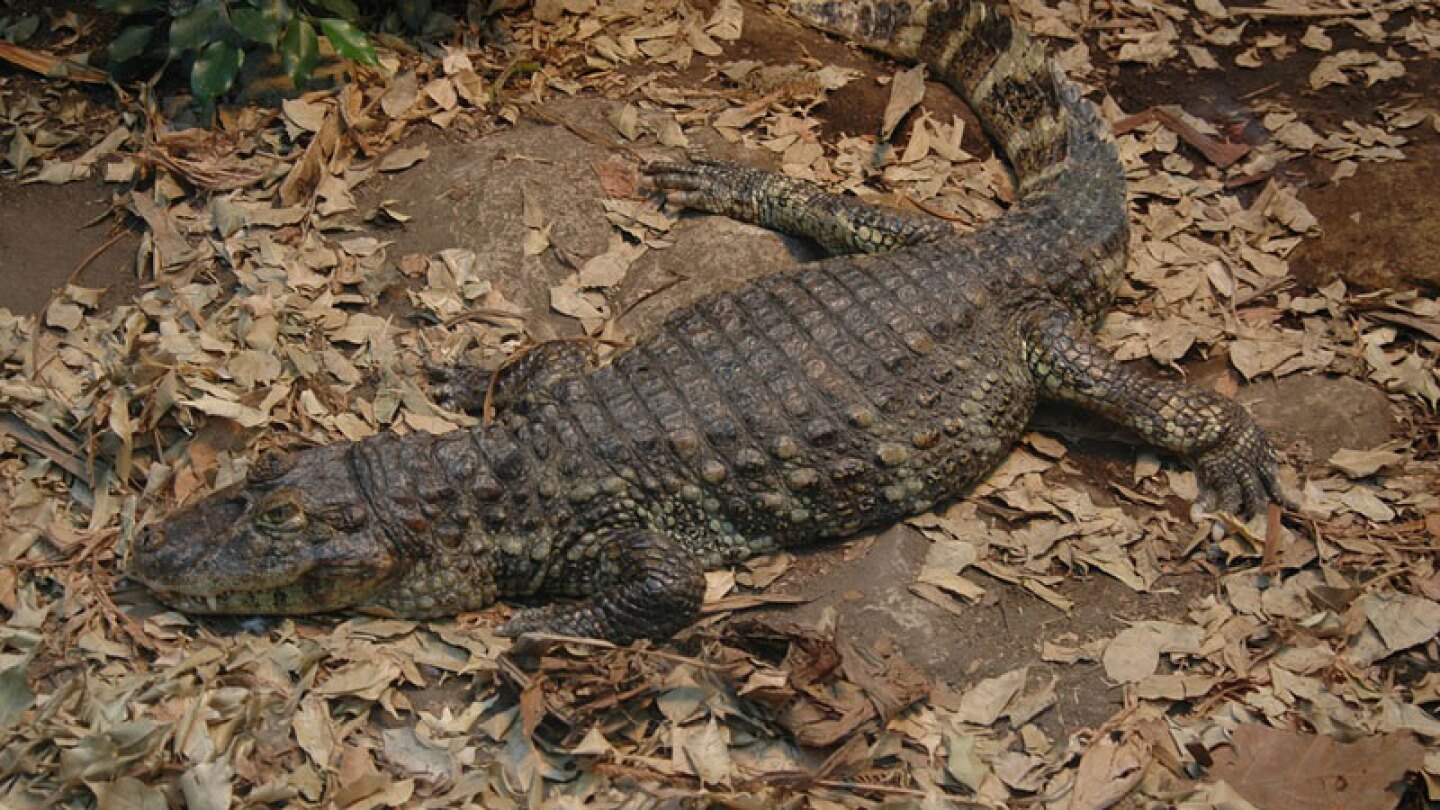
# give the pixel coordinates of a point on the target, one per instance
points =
(212, 602)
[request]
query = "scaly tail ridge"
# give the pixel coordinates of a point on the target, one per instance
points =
(1068, 173)
(992, 63)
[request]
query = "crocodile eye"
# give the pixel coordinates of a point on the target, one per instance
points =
(286, 516)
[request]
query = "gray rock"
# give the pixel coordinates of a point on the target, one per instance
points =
(871, 598)
(472, 196)
(1317, 415)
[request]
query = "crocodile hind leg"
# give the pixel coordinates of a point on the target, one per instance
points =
(795, 207)
(1235, 460)
(657, 589)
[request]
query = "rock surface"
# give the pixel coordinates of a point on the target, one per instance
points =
(472, 196)
(1315, 416)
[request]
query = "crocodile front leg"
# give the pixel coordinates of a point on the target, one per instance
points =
(657, 591)
(1234, 458)
(795, 207)
(518, 384)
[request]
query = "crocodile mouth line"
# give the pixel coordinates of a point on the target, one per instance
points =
(290, 597)
(268, 601)
(195, 603)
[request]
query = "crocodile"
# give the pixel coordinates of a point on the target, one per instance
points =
(820, 401)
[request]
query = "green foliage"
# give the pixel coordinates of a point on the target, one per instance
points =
(213, 38)
(299, 49)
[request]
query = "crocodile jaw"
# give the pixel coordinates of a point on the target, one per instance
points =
(325, 579)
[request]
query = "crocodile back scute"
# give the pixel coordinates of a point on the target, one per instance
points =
(807, 405)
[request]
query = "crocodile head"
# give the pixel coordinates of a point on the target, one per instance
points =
(297, 536)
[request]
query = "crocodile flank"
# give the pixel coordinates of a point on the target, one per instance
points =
(817, 402)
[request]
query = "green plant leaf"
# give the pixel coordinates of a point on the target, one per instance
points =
(131, 42)
(197, 27)
(277, 12)
(299, 51)
(349, 41)
(255, 26)
(413, 14)
(341, 8)
(215, 69)
(20, 30)
(263, 21)
(126, 6)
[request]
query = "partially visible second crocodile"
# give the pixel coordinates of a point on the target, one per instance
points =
(814, 403)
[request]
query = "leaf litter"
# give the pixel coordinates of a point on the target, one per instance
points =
(258, 327)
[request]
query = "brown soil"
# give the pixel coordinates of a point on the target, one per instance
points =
(1379, 226)
(1375, 231)
(46, 232)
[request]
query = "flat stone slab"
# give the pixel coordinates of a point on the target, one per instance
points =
(1316, 415)
(472, 196)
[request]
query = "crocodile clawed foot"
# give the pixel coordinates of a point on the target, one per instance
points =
(559, 619)
(700, 183)
(459, 389)
(1240, 474)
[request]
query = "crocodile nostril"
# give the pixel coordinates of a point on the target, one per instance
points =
(147, 537)
(232, 510)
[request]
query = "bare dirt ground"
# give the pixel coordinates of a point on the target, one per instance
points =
(46, 232)
(481, 197)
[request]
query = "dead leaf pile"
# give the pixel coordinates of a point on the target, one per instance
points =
(275, 313)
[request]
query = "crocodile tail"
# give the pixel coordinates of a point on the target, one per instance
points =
(1065, 163)
(1000, 71)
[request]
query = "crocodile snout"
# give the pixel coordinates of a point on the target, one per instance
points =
(146, 549)
(168, 549)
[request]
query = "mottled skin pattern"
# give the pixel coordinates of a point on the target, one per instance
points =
(812, 404)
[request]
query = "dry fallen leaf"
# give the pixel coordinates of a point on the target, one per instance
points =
(985, 702)
(907, 89)
(1135, 652)
(1364, 463)
(1402, 621)
(1277, 768)
(401, 159)
(1109, 770)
